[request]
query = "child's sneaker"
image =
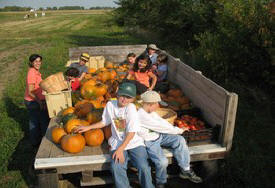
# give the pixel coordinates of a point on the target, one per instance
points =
(190, 174)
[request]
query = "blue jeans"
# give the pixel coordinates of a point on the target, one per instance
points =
(138, 157)
(180, 152)
(38, 121)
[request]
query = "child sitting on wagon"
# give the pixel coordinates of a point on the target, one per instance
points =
(72, 75)
(158, 132)
(142, 74)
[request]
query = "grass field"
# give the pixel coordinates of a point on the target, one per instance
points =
(250, 164)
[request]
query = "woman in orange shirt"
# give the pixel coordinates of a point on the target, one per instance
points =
(141, 72)
(35, 101)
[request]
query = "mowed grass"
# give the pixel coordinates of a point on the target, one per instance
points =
(249, 164)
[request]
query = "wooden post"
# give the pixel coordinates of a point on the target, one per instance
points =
(229, 123)
(47, 178)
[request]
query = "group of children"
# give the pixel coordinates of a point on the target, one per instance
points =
(139, 135)
(149, 70)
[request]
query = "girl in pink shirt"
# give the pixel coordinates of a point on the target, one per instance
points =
(35, 101)
(142, 74)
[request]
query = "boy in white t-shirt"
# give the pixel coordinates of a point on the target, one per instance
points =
(158, 132)
(125, 143)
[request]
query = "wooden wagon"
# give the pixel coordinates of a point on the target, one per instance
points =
(217, 105)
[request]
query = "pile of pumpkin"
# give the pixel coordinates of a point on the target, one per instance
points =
(96, 89)
(176, 100)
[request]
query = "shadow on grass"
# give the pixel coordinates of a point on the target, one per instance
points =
(23, 155)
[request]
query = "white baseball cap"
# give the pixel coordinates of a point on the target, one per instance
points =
(152, 97)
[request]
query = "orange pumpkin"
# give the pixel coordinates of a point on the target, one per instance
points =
(69, 110)
(83, 109)
(112, 74)
(73, 143)
(104, 76)
(87, 76)
(73, 123)
(176, 92)
(94, 137)
(57, 134)
(96, 103)
(100, 89)
(91, 70)
(108, 65)
(81, 102)
(107, 132)
(94, 116)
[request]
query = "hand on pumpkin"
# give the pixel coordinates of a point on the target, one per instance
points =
(119, 156)
(81, 129)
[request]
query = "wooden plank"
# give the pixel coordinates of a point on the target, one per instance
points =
(205, 85)
(104, 158)
(212, 113)
(87, 176)
(48, 180)
(117, 53)
(229, 123)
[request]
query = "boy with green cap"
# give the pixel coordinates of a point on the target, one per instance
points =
(125, 143)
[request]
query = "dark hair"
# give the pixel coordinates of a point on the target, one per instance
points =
(131, 55)
(32, 58)
(162, 58)
(74, 72)
(142, 57)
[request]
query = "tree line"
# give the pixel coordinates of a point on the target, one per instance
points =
(229, 39)
(17, 8)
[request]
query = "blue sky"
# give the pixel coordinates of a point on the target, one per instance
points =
(57, 3)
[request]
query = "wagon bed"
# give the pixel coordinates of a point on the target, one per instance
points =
(218, 107)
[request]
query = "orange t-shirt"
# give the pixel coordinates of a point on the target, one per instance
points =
(141, 77)
(33, 77)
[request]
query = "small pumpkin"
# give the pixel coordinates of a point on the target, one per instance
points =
(73, 123)
(91, 70)
(94, 137)
(69, 110)
(67, 117)
(57, 133)
(107, 132)
(73, 143)
(109, 65)
(175, 92)
(94, 116)
(87, 76)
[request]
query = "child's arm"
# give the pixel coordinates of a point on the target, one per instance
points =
(81, 129)
(157, 124)
(82, 76)
(154, 80)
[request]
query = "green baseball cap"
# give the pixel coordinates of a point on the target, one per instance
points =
(127, 89)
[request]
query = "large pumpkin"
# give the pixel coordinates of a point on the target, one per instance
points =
(107, 132)
(69, 110)
(104, 76)
(73, 123)
(57, 134)
(94, 137)
(73, 143)
(94, 116)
